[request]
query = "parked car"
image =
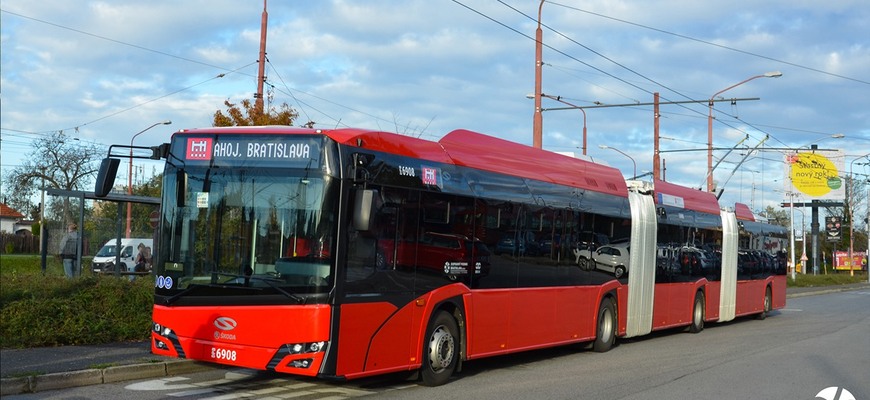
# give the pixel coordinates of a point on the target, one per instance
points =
(586, 246)
(104, 260)
(510, 244)
(444, 253)
(695, 261)
(611, 258)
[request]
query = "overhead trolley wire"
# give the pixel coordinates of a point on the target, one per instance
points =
(713, 44)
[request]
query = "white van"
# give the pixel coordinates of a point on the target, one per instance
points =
(104, 260)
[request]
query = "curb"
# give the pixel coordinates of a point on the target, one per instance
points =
(62, 380)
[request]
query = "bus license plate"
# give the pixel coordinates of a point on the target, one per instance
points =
(221, 354)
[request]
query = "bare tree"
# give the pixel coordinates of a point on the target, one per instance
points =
(57, 161)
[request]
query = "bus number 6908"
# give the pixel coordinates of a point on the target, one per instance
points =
(223, 354)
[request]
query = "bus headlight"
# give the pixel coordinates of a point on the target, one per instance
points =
(161, 330)
(316, 346)
(302, 348)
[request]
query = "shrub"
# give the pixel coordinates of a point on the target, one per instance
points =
(51, 310)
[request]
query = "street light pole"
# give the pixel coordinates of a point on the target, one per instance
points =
(775, 74)
(130, 174)
(621, 152)
(559, 99)
(803, 235)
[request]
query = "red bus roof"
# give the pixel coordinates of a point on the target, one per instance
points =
(476, 150)
(392, 143)
(469, 149)
(692, 199)
(743, 212)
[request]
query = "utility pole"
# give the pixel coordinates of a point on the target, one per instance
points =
(656, 159)
(656, 103)
(537, 118)
(261, 74)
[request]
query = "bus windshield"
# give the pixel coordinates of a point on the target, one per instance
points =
(246, 232)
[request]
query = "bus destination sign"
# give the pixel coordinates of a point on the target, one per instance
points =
(253, 149)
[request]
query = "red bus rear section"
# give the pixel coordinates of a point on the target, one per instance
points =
(350, 253)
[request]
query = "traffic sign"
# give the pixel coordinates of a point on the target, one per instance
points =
(833, 228)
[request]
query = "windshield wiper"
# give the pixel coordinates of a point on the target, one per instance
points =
(270, 282)
(196, 286)
(183, 293)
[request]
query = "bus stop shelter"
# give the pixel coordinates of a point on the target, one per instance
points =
(74, 210)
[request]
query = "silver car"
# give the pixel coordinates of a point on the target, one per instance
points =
(613, 258)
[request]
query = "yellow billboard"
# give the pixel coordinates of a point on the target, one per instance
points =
(815, 175)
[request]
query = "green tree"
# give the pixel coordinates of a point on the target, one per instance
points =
(777, 217)
(247, 114)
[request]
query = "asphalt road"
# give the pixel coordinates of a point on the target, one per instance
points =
(816, 343)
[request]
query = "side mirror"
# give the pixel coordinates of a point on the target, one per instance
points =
(106, 176)
(161, 151)
(364, 208)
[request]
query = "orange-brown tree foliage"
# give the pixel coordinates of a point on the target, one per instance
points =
(247, 114)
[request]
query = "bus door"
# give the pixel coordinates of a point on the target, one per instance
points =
(375, 326)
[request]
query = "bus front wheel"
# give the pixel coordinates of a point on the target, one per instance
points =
(441, 351)
(606, 331)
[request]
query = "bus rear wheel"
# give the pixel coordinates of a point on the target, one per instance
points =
(441, 351)
(698, 312)
(767, 306)
(606, 331)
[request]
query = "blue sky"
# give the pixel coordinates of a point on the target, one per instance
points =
(104, 70)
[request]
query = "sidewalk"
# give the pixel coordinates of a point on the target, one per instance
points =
(51, 368)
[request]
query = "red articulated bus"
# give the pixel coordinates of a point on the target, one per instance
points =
(348, 253)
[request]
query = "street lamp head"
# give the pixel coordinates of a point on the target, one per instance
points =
(773, 74)
(838, 136)
(603, 146)
(167, 122)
